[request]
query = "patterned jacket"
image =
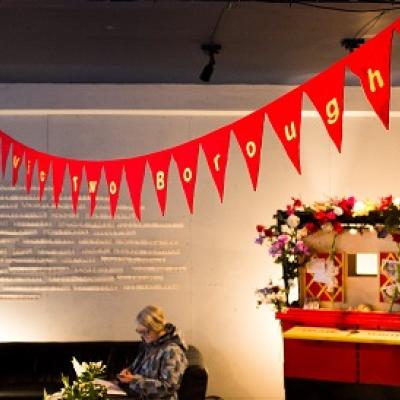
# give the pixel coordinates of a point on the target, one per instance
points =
(161, 365)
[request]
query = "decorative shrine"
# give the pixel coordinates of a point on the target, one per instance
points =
(341, 327)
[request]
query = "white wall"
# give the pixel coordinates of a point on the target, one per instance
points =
(215, 306)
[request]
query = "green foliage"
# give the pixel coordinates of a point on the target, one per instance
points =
(84, 387)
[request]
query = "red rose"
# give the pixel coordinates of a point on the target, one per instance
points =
(396, 237)
(386, 202)
(320, 215)
(331, 215)
(260, 228)
(337, 226)
(347, 205)
(311, 227)
(268, 233)
(297, 203)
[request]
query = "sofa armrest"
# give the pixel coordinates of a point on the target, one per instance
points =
(195, 378)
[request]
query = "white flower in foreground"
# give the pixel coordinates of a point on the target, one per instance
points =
(78, 368)
(285, 229)
(293, 221)
(360, 208)
(338, 211)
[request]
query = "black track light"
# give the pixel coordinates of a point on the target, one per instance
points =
(211, 49)
(351, 44)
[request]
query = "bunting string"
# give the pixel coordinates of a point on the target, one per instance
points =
(370, 63)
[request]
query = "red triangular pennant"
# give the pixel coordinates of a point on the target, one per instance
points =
(186, 157)
(249, 132)
(285, 117)
(326, 93)
(215, 146)
(134, 171)
(18, 151)
(30, 160)
(113, 170)
(5, 148)
(93, 175)
(43, 171)
(58, 177)
(75, 173)
(159, 166)
(371, 63)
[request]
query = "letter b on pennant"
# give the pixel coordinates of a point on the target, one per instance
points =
(160, 180)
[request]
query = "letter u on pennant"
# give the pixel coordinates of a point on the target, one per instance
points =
(285, 117)
(290, 134)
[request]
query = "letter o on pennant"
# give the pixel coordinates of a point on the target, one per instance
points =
(187, 175)
(251, 149)
(113, 187)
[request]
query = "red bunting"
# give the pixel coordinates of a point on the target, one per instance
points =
(285, 117)
(5, 148)
(30, 160)
(93, 176)
(58, 177)
(159, 165)
(371, 63)
(186, 157)
(113, 170)
(43, 171)
(17, 156)
(215, 146)
(326, 93)
(249, 131)
(75, 173)
(134, 171)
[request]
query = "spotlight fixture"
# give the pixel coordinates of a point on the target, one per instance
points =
(351, 44)
(211, 49)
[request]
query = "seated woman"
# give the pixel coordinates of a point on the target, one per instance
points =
(157, 371)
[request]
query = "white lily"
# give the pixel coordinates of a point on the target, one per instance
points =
(78, 368)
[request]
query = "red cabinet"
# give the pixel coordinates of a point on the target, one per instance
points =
(341, 361)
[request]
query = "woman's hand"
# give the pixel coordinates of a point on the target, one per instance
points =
(126, 376)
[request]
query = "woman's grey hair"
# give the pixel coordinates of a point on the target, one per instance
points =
(152, 317)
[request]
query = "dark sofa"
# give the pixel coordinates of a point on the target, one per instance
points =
(26, 368)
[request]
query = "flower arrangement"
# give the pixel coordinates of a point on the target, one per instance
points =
(84, 387)
(274, 295)
(285, 239)
(285, 244)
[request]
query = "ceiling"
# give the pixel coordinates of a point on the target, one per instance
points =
(160, 41)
